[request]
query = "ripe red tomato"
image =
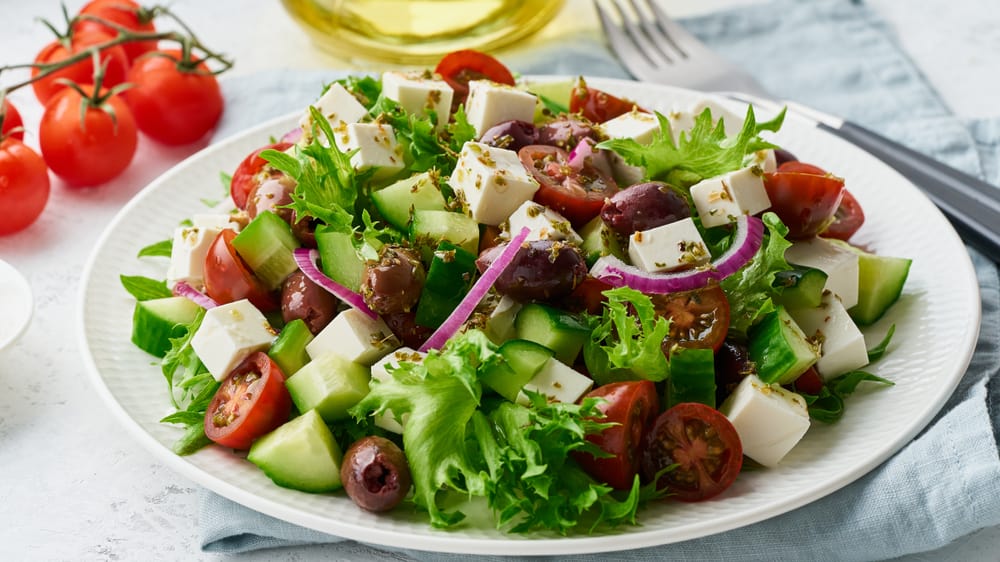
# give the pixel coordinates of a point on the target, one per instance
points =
(251, 401)
(245, 177)
(81, 72)
(847, 220)
(576, 193)
(172, 103)
(91, 147)
(809, 382)
(698, 318)
(24, 185)
(804, 197)
(702, 443)
(632, 405)
(458, 68)
(125, 13)
(597, 106)
(11, 120)
(229, 279)
(587, 296)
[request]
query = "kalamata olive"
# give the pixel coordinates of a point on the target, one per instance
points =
(566, 132)
(394, 282)
(404, 326)
(301, 298)
(644, 206)
(732, 364)
(511, 135)
(273, 192)
(541, 270)
(375, 474)
(781, 156)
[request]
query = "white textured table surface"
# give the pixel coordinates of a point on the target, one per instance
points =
(73, 485)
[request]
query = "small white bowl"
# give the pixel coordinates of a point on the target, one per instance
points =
(16, 306)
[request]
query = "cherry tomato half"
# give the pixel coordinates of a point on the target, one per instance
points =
(229, 279)
(251, 401)
(698, 318)
(81, 72)
(125, 13)
(702, 443)
(587, 296)
(596, 105)
(809, 382)
(576, 193)
(847, 220)
(24, 185)
(11, 121)
(245, 177)
(804, 197)
(632, 405)
(458, 68)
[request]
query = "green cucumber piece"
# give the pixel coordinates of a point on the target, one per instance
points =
(599, 240)
(556, 329)
(301, 454)
(779, 348)
(523, 360)
(880, 282)
(692, 377)
(449, 278)
(396, 202)
(329, 384)
(802, 287)
(266, 244)
(429, 228)
(289, 350)
(155, 321)
(338, 258)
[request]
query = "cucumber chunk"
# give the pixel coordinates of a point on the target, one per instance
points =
(558, 330)
(599, 240)
(289, 350)
(523, 360)
(802, 287)
(396, 202)
(780, 348)
(301, 454)
(338, 258)
(266, 244)
(880, 282)
(155, 321)
(692, 377)
(429, 228)
(449, 278)
(329, 384)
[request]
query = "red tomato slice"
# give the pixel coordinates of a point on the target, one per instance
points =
(251, 402)
(229, 279)
(698, 318)
(632, 405)
(702, 443)
(809, 382)
(458, 68)
(596, 105)
(576, 193)
(245, 177)
(847, 220)
(804, 197)
(11, 120)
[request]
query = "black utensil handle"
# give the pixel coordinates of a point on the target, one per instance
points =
(972, 205)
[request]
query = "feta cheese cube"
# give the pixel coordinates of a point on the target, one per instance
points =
(721, 199)
(380, 372)
(490, 103)
(668, 247)
(543, 222)
(839, 264)
(218, 222)
(354, 336)
(731, 122)
(638, 126)
(229, 334)
(500, 325)
(769, 419)
(376, 145)
(557, 381)
(339, 106)
(187, 255)
(418, 94)
(763, 159)
(491, 182)
(842, 345)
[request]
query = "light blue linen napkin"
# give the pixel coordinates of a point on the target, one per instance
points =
(837, 56)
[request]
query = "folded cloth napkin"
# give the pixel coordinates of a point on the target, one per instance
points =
(839, 57)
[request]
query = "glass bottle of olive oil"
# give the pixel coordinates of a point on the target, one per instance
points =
(418, 31)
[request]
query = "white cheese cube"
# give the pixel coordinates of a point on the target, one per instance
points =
(491, 182)
(187, 255)
(668, 247)
(229, 334)
(721, 199)
(731, 122)
(490, 103)
(500, 325)
(763, 159)
(380, 372)
(339, 106)
(769, 419)
(376, 145)
(218, 222)
(557, 381)
(418, 94)
(542, 222)
(354, 336)
(638, 126)
(842, 345)
(839, 264)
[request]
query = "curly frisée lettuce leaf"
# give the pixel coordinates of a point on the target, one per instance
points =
(750, 289)
(627, 336)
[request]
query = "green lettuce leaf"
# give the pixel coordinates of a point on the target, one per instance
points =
(751, 289)
(828, 405)
(144, 288)
(191, 388)
(627, 337)
(366, 89)
(163, 248)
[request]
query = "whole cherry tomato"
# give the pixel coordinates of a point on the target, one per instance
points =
(81, 72)
(24, 185)
(804, 197)
(245, 178)
(229, 279)
(11, 120)
(125, 13)
(251, 401)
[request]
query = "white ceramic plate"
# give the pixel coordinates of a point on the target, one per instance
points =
(937, 322)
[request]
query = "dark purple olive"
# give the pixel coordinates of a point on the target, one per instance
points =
(274, 192)
(732, 364)
(781, 156)
(512, 135)
(394, 282)
(541, 270)
(644, 206)
(566, 132)
(404, 326)
(301, 298)
(375, 474)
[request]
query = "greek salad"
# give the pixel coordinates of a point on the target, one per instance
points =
(449, 283)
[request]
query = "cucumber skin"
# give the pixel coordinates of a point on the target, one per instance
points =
(772, 347)
(149, 326)
(523, 360)
(289, 350)
(283, 460)
(692, 377)
(803, 287)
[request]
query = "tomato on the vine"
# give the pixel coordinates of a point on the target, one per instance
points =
(24, 185)
(251, 401)
(702, 443)
(846, 220)
(245, 178)
(81, 72)
(699, 318)
(575, 192)
(174, 101)
(11, 120)
(126, 13)
(804, 197)
(87, 143)
(596, 105)
(229, 279)
(458, 68)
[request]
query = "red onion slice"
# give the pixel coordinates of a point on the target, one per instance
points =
(292, 136)
(615, 272)
(305, 258)
(182, 289)
(476, 294)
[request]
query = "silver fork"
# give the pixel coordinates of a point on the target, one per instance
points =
(657, 49)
